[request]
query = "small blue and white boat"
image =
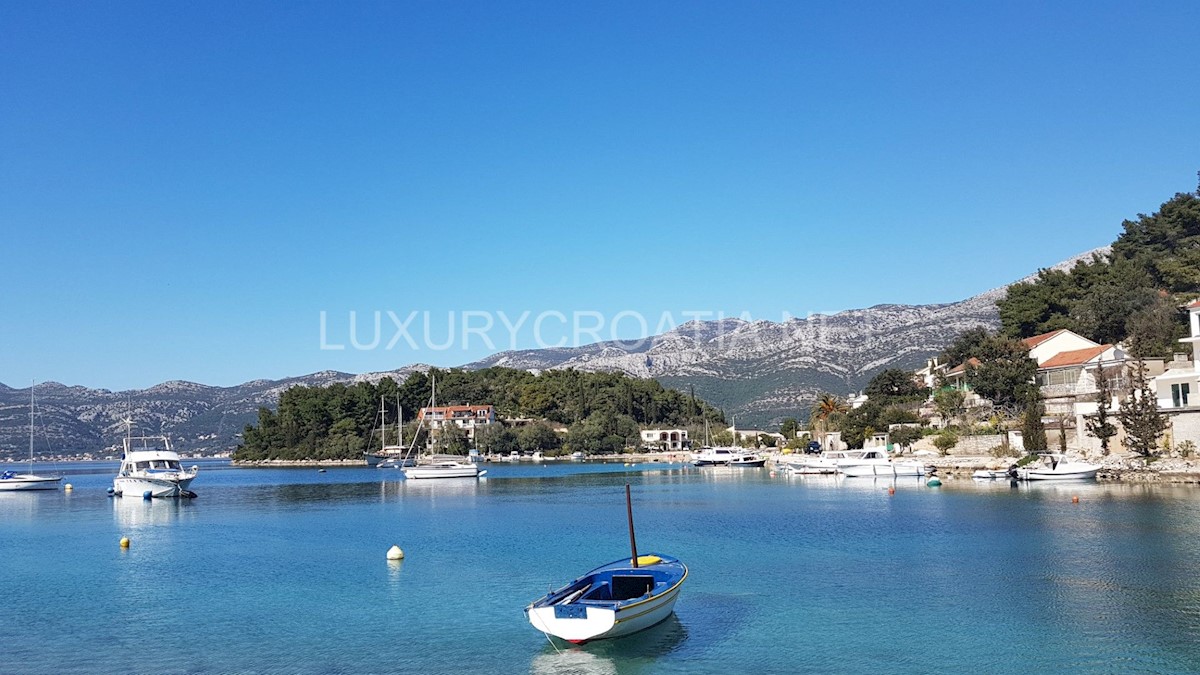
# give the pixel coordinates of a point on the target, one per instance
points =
(619, 598)
(612, 600)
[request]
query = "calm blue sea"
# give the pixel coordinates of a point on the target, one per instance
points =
(283, 571)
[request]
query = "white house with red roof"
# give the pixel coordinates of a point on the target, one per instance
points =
(1046, 346)
(466, 417)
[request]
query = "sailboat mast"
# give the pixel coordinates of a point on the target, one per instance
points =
(31, 383)
(383, 422)
(399, 422)
(629, 513)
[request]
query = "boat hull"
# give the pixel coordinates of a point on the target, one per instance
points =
(888, 470)
(1038, 474)
(426, 472)
(572, 614)
(750, 463)
(157, 487)
(29, 482)
(1055, 467)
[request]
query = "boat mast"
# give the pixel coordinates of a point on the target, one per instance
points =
(399, 422)
(383, 421)
(31, 383)
(629, 512)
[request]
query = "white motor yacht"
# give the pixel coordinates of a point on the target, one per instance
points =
(150, 467)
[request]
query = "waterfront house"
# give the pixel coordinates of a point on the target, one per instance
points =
(666, 439)
(467, 417)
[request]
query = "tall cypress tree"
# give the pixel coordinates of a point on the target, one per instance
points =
(1139, 414)
(1099, 424)
(1033, 431)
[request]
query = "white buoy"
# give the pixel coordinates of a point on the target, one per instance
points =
(394, 553)
(68, 487)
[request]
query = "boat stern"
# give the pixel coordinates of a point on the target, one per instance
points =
(572, 622)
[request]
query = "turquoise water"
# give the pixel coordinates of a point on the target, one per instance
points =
(283, 571)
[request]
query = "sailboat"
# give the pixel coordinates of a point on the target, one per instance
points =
(13, 481)
(389, 456)
(619, 598)
(726, 455)
(429, 465)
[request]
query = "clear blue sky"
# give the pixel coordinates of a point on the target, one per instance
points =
(185, 186)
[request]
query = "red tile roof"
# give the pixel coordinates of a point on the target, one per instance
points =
(1074, 357)
(962, 367)
(1036, 340)
(1195, 304)
(451, 409)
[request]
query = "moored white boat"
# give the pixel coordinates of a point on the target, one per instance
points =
(1055, 466)
(11, 481)
(825, 463)
(750, 460)
(429, 466)
(713, 456)
(726, 456)
(990, 474)
(886, 469)
(149, 465)
(449, 468)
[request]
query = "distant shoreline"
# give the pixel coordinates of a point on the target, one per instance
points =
(636, 458)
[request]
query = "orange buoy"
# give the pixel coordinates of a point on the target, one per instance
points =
(891, 491)
(1075, 499)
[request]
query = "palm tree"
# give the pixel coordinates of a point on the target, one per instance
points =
(825, 412)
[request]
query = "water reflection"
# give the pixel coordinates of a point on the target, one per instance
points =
(394, 569)
(636, 653)
(132, 514)
(457, 490)
(23, 506)
(730, 474)
(572, 662)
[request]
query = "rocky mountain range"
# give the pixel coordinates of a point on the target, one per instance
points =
(198, 418)
(759, 372)
(763, 371)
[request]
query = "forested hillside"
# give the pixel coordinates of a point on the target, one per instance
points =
(1132, 295)
(604, 411)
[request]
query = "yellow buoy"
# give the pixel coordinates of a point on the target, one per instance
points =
(394, 553)
(124, 542)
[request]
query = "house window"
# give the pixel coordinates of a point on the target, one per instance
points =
(1052, 377)
(1179, 394)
